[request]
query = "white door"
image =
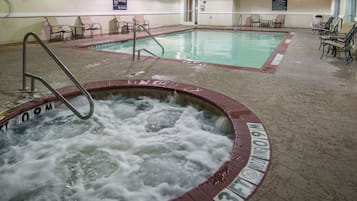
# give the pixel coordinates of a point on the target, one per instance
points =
(190, 12)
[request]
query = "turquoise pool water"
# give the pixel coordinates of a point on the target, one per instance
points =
(234, 48)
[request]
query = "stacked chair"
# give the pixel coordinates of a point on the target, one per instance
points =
(341, 42)
(335, 29)
(325, 22)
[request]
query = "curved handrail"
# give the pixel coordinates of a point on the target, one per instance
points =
(44, 82)
(148, 32)
(10, 8)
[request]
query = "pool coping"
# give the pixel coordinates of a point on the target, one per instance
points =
(236, 179)
(270, 66)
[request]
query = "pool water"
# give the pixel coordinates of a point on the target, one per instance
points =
(234, 48)
(133, 148)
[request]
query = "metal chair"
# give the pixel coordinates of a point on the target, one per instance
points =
(316, 26)
(256, 20)
(338, 44)
(139, 19)
(56, 28)
(326, 34)
(279, 21)
(123, 26)
(88, 25)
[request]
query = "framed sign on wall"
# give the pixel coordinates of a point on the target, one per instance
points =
(119, 4)
(280, 5)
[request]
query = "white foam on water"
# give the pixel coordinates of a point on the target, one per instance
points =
(131, 149)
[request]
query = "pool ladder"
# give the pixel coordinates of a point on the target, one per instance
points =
(136, 26)
(44, 82)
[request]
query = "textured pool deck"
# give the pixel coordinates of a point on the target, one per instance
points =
(308, 106)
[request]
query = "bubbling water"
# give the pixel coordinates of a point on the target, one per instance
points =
(131, 149)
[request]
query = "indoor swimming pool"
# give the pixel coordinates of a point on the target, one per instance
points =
(233, 48)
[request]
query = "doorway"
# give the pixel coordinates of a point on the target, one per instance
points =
(190, 12)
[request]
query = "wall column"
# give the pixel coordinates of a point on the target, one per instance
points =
(335, 8)
(352, 10)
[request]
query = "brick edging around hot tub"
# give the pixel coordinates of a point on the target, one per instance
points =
(236, 180)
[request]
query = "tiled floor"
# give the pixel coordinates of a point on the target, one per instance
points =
(309, 106)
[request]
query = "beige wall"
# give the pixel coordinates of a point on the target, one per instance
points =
(253, 6)
(70, 7)
(322, 6)
(27, 15)
(300, 13)
(293, 5)
(219, 6)
(217, 12)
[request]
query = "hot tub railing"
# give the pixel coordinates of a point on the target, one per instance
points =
(136, 26)
(44, 82)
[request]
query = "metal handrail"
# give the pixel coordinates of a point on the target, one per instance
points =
(11, 8)
(146, 50)
(148, 32)
(44, 82)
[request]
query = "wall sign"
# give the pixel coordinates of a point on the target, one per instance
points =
(119, 4)
(280, 5)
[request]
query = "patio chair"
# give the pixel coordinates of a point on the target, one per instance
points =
(341, 34)
(123, 26)
(140, 20)
(279, 21)
(325, 23)
(341, 44)
(335, 25)
(255, 20)
(337, 28)
(88, 25)
(345, 29)
(326, 26)
(56, 28)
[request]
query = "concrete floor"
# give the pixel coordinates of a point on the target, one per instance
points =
(309, 106)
